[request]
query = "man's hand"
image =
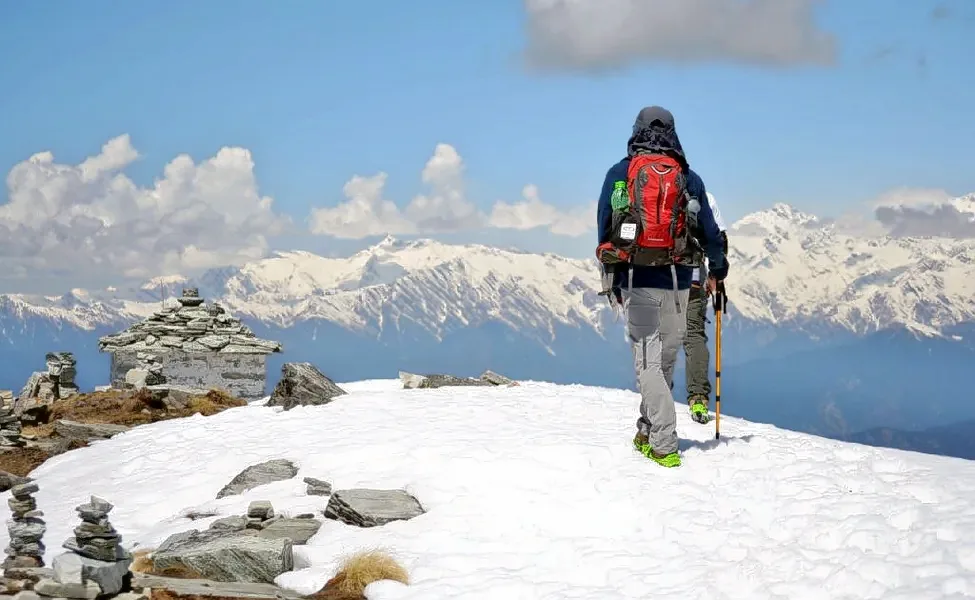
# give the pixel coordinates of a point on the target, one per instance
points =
(712, 285)
(720, 297)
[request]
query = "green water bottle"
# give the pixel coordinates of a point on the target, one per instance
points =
(620, 200)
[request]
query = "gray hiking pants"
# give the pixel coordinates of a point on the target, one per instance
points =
(696, 353)
(655, 330)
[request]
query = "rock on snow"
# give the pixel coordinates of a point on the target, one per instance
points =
(260, 474)
(535, 491)
(302, 384)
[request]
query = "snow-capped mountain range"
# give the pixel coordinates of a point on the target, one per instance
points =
(788, 269)
(849, 330)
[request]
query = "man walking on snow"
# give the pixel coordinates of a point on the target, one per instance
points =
(697, 356)
(648, 260)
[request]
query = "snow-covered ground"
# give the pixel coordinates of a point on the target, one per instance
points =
(535, 492)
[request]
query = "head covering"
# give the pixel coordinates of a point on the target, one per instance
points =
(654, 131)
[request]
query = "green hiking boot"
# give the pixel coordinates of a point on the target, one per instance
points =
(642, 445)
(699, 409)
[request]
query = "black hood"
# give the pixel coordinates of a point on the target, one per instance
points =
(654, 131)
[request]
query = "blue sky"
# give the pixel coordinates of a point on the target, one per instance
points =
(321, 91)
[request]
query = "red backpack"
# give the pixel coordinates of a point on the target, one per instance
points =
(649, 221)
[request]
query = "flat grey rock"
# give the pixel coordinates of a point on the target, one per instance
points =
(260, 509)
(433, 381)
(24, 489)
(204, 587)
(497, 379)
(87, 431)
(299, 531)
(370, 508)
(260, 474)
(81, 591)
(77, 569)
(232, 523)
(227, 558)
(9, 480)
(302, 384)
(317, 487)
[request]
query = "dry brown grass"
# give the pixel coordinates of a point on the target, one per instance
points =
(357, 572)
(141, 562)
(121, 407)
(21, 461)
(115, 407)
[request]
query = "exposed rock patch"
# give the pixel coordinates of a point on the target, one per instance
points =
(260, 474)
(317, 487)
(370, 508)
(214, 555)
(170, 588)
(36, 400)
(432, 381)
(87, 432)
(302, 384)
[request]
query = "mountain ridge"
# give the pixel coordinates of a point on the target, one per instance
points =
(783, 273)
(888, 319)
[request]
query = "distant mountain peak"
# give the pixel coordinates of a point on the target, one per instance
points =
(780, 216)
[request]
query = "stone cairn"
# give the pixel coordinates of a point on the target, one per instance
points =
(43, 388)
(61, 370)
(26, 529)
(10, 428)
(95, 565)
(95, 537)
(189, 326)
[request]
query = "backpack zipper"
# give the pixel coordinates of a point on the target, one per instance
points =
(660, 196)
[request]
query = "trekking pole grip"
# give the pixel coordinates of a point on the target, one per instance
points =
(720, 299)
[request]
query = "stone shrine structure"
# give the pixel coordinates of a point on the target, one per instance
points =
(191, 345)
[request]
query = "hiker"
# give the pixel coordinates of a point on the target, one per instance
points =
(637, 251)
(696, 354)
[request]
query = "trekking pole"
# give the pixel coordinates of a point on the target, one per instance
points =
(720, 303)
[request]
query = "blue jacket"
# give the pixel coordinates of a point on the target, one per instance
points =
(654, 131)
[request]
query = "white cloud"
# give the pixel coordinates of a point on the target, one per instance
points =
(912, 212)
(90, 217)
(603, 34)
(925, 212)
(365, 214)
(534, 213)
(445, 209)
(912, 197)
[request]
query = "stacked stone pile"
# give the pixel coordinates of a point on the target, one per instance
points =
(43, 388)
(26, 529)
(190, 326)
(10, 428)
(95, 564)
(61, 369)
(95, 537)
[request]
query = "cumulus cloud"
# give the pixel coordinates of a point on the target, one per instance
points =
(920, 212)
(604, 34)
(444, 209)
(532, 213)
(91, 217)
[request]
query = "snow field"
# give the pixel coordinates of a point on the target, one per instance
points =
(535, 492)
